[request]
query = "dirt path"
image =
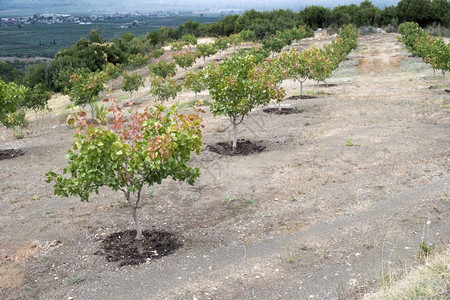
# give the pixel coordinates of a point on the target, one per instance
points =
(341, 194)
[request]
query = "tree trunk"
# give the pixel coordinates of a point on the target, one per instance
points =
(279, 106)
(234, 135)
(443, 75)
(92, 110)
(195, 96)
(131, 96)
(301, 89)
(139, 237)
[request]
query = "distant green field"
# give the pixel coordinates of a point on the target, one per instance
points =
(46, 40)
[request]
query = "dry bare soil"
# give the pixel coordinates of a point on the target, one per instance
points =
(340, 197)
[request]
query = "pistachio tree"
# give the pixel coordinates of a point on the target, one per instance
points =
(205, 50)
(439, 56)
(274, 69)
(142, 149)
(321, 64)
(36, 98)
(11, 101)
(113, 72)
(221, 44)
(189, 40)
(298, 65)
(163, 68)
(131, 83)
(177, 46)
(85, 87)
(195, 81)
(237, 86)
(185, 59)
(164, 88)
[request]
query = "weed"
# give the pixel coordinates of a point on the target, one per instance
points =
(150, 192)
(77, 279)
(221, 128)
(294, 199)
(291, 254)
(123, 204)
(425, 249)
(200, 187)
(445, 200)
(228, 199)
(307, 124)
(351, 144)
(36, 198)
(251, 201)
(101, 111)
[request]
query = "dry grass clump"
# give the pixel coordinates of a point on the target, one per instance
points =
(430, 280)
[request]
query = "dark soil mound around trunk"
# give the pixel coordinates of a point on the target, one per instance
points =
(122, 246)
(10, 153)
(283, 111)
(244, 147)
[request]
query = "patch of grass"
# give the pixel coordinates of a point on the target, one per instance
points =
(123, 97)
(415, 65)
(314, 93)
(352, 144)
(428, 281)
(446, 103)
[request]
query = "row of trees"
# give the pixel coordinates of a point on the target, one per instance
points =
(249, 78)
(434, 51)
(152, 145)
